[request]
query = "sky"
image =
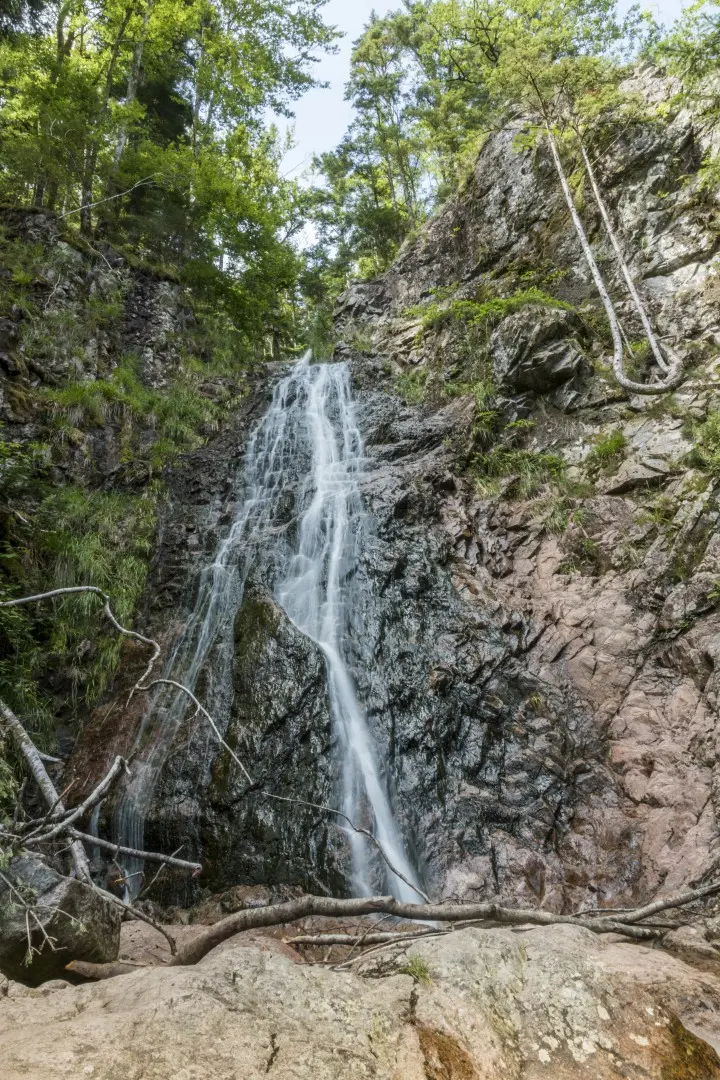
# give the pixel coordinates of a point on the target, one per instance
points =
(323, 116)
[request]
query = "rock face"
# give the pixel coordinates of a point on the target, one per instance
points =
(537, 657)
(475, 1005)
(81, 924)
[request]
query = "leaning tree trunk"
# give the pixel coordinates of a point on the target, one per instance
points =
(674, 375)
(10, 722)
(640, 307)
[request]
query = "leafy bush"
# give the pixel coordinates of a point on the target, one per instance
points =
(484, 312)
(706, 454)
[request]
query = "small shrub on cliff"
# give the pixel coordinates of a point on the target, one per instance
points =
(706, 453)
(485, 311)
(418, 968)
(525, 470)
(607, 453)
(411, 386)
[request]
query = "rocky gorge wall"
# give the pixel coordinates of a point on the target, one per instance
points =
(540, 631)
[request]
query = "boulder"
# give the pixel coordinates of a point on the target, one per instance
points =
(81, 924)
(472, 1005)
(537, 351)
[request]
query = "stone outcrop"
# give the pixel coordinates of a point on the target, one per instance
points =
(473, 1005)
(44, 904)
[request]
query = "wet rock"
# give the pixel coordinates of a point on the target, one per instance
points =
(81, 924)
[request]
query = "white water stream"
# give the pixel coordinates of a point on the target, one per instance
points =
(307, 450)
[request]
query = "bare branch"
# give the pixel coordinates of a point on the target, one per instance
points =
(385, 937)
(327, 907)
(10, 722)
(146, 856)
(89, 206)
(118, 765)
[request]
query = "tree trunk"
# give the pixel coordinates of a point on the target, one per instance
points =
(675, 375)
(654, 344)
(132, 89)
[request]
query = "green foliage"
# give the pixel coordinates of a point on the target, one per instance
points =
(525, 471)
(560, 512)
(607, 453)
(148, 123)
(77, 537)
(179, 416)
(485, 312)
(411, 386)
(706, 453)
(418, 968)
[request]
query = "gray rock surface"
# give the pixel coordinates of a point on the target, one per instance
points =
(482, 1005)
(80, 923)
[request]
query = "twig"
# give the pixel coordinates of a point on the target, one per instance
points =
(146, 889)
(89, 206)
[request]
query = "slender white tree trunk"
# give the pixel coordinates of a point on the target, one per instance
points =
(649, 332)
(675, 374)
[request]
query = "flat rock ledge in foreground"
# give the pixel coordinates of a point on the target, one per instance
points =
(474, 1005)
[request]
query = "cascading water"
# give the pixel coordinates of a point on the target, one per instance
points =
(307, 447)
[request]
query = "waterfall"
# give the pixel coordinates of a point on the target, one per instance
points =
(307, 451)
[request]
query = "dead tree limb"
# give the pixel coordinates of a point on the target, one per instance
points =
(632, 289)
(327, 907)
(27, 747)
(674, 375)
(385, 937)
(146, 856)
(62, 826)
(675, 900)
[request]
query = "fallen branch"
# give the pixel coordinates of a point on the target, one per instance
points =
(146, 856)
(675, 900)
(27, 747)
(385, 937)
(118, 765)
(327, 907)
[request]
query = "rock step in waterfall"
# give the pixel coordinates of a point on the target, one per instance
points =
(300, 525)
